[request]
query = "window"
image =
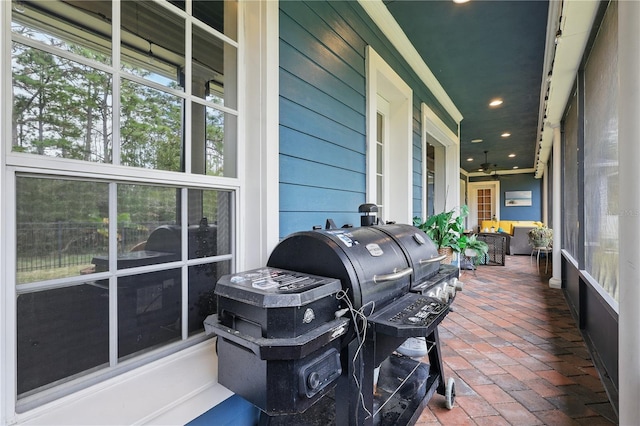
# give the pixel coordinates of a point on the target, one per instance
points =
(430, 181)
(485, 204)
(381, 137)
(123, 163)
(64, 84)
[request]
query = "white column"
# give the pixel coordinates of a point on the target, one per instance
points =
(545, 195)
(259, 202)
(629, 215)
(556, 280)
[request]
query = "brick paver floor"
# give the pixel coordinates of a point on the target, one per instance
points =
(516, 355)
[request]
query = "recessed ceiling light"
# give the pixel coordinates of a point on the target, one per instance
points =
(460, 1)
(511, 155)
(495, 102)
(469, 159)
(505, 134)
(515, 167)
(476, 140)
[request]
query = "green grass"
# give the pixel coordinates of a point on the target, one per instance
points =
(47, 268)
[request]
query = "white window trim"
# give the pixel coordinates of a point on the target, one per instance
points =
(384, 81)
(7, 305)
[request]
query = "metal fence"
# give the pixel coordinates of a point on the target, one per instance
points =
(62, 244)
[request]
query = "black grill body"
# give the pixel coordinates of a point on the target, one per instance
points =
(274, 303)
(369, 289)
(279, 339)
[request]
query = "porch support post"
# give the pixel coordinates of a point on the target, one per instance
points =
(556, 280)
(628, 229)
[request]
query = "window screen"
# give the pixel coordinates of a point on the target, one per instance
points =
(601, 156)
(570, 198)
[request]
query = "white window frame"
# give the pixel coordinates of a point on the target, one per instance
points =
(184, 384)
(382, 80)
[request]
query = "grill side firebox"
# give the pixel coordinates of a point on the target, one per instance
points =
(303, 336)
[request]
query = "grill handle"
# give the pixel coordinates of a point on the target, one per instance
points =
(433, 259)
(395, 275)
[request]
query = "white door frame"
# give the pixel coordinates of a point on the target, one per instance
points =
(472, 189)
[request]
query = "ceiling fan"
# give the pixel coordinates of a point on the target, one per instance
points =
(487, 167)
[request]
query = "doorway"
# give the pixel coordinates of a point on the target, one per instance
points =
(484, 202)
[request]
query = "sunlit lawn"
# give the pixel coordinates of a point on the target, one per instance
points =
(51, 273)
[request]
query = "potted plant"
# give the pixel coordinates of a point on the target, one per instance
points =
(540, 236)
(444, 229)
(471, 243)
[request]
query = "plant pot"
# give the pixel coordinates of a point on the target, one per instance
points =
(540, 242)
(448, 251)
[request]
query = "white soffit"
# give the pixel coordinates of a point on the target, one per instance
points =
(577, 20)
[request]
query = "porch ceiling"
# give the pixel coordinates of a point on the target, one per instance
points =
(479, 51)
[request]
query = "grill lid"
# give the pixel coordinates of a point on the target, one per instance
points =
(421, 252)
(275, 288)
(371, 264)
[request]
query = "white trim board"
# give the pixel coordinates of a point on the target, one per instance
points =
(379, 13)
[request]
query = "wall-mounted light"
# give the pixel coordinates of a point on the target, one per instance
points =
(558, 36)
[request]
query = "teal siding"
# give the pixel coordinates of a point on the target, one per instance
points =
(311, 174)
(322, 112)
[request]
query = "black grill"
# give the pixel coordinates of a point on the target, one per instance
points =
(301, 337)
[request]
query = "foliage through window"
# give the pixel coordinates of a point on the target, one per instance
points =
(63, 85)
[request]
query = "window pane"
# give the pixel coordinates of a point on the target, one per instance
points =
(178, 3)
(209, 223)
(214, 69)
(149, 307)
(379, 194)
(202, 301)
(153, 42)
(147, 225)
(430, 193)
(60, 227)
(61, 333)
(60, 108)
(80, 27)
(151, 128)
(213, 141)
(218, 14)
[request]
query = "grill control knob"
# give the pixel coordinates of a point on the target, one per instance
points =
(313, 380)
(457, 284)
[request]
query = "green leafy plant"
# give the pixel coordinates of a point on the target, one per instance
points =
(444, 229)
(540, 236)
